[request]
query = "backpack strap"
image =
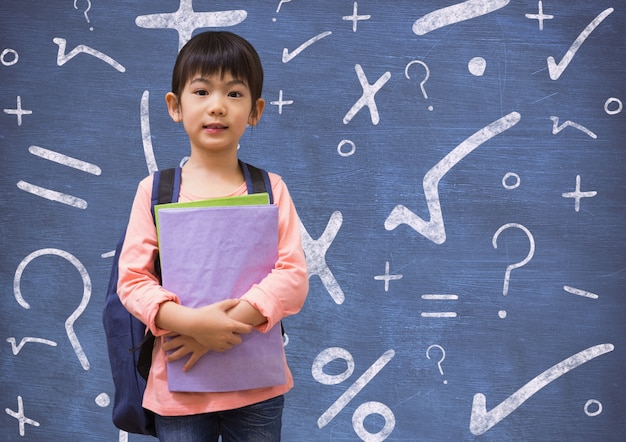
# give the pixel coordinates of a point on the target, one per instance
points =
(165, 187)
(257, 180)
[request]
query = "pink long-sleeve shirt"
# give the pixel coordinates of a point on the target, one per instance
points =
(280, 294)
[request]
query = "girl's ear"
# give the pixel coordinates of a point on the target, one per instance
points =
(257, 111)
(173, 107)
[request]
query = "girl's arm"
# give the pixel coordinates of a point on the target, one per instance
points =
(141, 293)
(284, 290)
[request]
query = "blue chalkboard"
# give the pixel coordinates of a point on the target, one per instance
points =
(460, 177)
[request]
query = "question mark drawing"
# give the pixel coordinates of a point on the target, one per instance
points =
(86, 11)
(406, 74)
(443, 356)
(278, 8)
(69, 322)
(531, 252)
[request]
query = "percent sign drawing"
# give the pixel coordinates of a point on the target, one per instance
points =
(365, 409)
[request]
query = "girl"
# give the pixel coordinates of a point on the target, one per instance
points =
(216, 93)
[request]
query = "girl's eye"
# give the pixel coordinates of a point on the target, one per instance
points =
(234, 94)
(202, 92)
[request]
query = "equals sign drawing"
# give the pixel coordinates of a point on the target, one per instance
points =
(439, 314)
(66, 161)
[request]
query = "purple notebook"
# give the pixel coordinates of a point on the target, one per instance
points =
(213, 253)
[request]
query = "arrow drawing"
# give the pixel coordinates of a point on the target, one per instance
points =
(434, 229)
(482, 420)
(555, 69)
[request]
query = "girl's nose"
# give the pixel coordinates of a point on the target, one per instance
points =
(217, 106)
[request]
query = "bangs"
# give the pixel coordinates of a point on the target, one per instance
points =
(218, 53)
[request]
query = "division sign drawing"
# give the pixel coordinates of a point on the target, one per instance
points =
(482, 420)
(434, 228)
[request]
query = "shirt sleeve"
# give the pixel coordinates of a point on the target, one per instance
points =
(138, 286)
(280, 294)
(284, 290)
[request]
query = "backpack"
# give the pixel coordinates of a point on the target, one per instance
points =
(129, 345)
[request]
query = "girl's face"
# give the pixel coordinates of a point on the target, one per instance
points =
(215, 111)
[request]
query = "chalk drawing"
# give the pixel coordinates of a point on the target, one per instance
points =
(280, 102)
(21, 418)
(86, 11)
(69, 322)
(613, 101)
(540, 16)
(317, 370)
(103, 400)
(52, 195)
(482, 420)
(439, 297)
(434, 229)
(523, 262)
(63, 58)
(387, 277)
(515, 184)
(477, 66)
(589, 404)
(367, 99)
(579, 292)
(348, 153)
(18, 111)
(6, 52)
(578, 195)
(288, 56)
(185, 20)
(355, 17)
(443, 357)
(281, 3)
(423, 82)
(367, 409)
(279, 6)
(146, 137)
(65, 160)
(556, 69)
(315, 251)
(556, 128)
(16, 348)
(456, 13)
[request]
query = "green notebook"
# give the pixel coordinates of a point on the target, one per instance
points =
(254, 199)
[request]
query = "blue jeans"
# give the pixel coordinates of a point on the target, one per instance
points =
(261, 422)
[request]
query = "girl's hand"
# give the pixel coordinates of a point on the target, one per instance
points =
(214, 329)
(180, 346)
